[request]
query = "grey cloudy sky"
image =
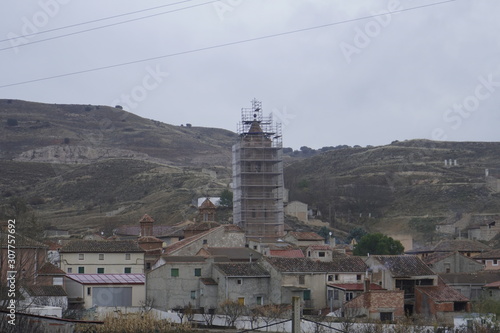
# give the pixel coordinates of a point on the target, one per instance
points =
(331, 71)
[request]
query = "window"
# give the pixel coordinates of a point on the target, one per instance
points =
(193, 294)
(302, 279)
(148, 265)
(100, 270)
(81, 270)
(336, 295)
(259, 300)
(308, 253)
(174, 272)
(57, 281)
(239, 281)
(205, 241)
(385, 316)
(321, 254)
(101, 256)
(348, 296)
(495, 262)
(330, 277)
(127, 256)
(358, 277)
(241, 300)
(81, 256)
(89, 291)
(336, 277)
(307, 295)
(197, 272)
(70, 270)
(127, 270)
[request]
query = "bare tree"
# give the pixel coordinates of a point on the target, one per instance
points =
(232, 310)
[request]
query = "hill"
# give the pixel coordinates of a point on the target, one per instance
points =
(84, 166)
(404, 187)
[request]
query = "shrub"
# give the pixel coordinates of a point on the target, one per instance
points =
(12, 122)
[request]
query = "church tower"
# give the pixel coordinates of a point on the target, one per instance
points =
(258, 175)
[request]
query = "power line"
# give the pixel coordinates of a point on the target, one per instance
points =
(97, 20)
(223, 45)
(103, 26)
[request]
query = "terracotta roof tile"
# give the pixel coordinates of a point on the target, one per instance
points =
(477, 278)
(50, 269)
(442, 293)
(242, 269)
(36, 290)
(287, 253)
(462, 245)
(404, 265)
(92, 246)
(493, 254)
(346, 264)
(234, 253)
(146, 218)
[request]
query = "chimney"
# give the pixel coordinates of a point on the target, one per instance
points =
(366, 287)
(146, 225)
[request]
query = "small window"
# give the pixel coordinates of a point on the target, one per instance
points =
(241, 300)
(100, 270)
(336, 295)
(302, 279)
(255, 247)
(197, 272)
(127, 256)
(307, 295)
(358, 277)
(495, 262)
(259, 300)
(127, 270)
(336, 277)
(239, 281)
(81, 256)
(348, 296)
(101, 256)
(81, 270)
(308, 253)
(330, 277)
(321, 254)
(174, 272)
(70, 270)
(148, 265)
(89, 291)
(205, 241)
(193, 294)
(57, 281)
(385, 316)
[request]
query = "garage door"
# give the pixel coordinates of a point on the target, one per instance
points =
(107, 296)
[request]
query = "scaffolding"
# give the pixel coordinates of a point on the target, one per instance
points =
(258, 175)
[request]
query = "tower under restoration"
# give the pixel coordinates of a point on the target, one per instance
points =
(258, 175)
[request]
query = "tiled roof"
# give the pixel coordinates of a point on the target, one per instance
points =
(232, 227)
(186, 241)
(477, 278)
(347, 264)
(355, 286)
(287, 253)
(149, 239)
(108, 278)
(320, 247)
(202, 226)
(171, 259)
(404, 265)
(461, 245)
(435, 257)
(50, 269)
(242, 269)
(493, 254)
(493, 285)
(234, 253)
(135, 230)
(92, 246)
(306, 236)
(208, 281)
(442, 293)
(207, 204)
(36, 290)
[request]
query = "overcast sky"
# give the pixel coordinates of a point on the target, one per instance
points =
(331, 71)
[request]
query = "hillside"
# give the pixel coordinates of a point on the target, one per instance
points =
(404, 187)
(82, 166)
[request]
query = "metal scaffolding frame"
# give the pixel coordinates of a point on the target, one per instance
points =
(258, 175)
